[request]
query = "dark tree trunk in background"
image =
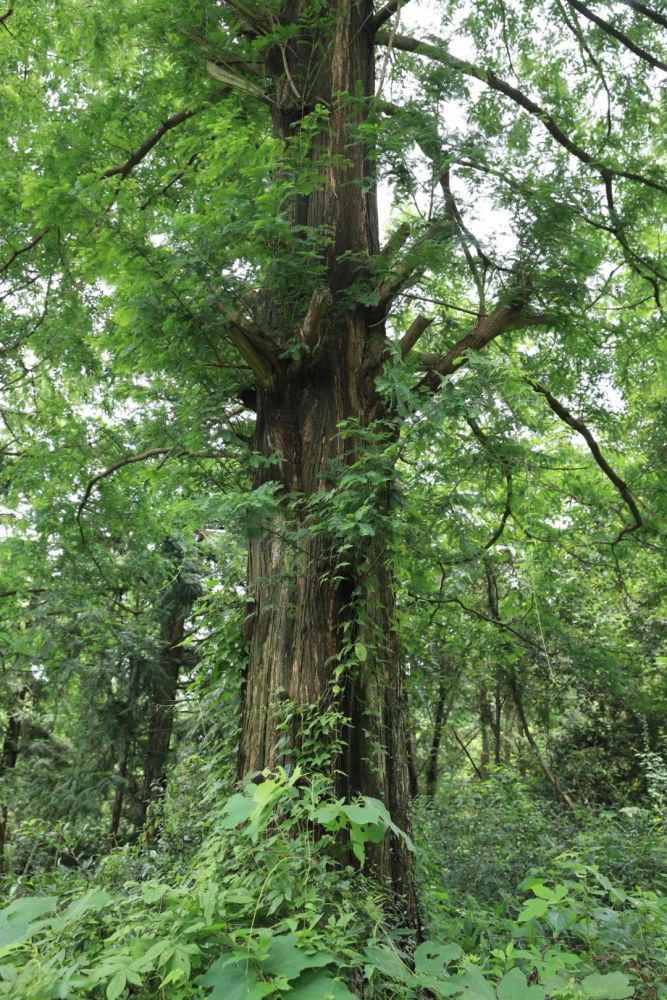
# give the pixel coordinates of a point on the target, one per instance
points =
(485, 723)
(163, 682)
(301, 600)
(10, 753)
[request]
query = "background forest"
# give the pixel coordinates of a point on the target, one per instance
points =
(459, 533)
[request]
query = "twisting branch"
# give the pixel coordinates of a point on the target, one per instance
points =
(144, 456)
(387, 12)
(620, 36)
(141, 152)
(440, 54)
(5, 17)
(580, 427)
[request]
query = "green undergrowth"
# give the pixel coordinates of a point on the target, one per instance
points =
(266, 906)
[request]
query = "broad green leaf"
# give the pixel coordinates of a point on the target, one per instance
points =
(514, 986)
(288, 960)
(433, 958)
(237, 810)
(318, 986)
(612, 986)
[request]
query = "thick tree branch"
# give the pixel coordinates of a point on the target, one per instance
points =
(487, 328)
(418, 326)
(580, 427)
(258, 352)
(620, 36)
(387, 12)
(122, 170)
(440, 54)
(311, 327)
(412, 261)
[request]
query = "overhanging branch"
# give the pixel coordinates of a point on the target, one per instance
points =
(620, 36)
(440, 54)
(501, 320)
(143, 456)
(580, 427)
(122, 170)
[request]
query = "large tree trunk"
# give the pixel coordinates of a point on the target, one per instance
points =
(311, 604)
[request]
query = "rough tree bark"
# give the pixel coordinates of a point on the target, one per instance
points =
(303, 606)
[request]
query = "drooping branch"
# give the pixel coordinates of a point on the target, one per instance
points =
(580, 427)
(620, 36)
(5, 17)
(440, 54)
(143, 456)
(122, 170)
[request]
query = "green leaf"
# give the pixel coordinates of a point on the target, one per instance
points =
(613, 986)
(432, 958)
(319, 986)
(116, 986)
(360, 652)
(388, 962)
(237, 810)
(533, 909)
(234, 980)
(475, 986)
(514, 986)
(286, 959)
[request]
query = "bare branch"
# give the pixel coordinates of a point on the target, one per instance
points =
(580, 427)
(610, 29)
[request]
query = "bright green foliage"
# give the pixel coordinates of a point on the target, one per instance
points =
(531, 618)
